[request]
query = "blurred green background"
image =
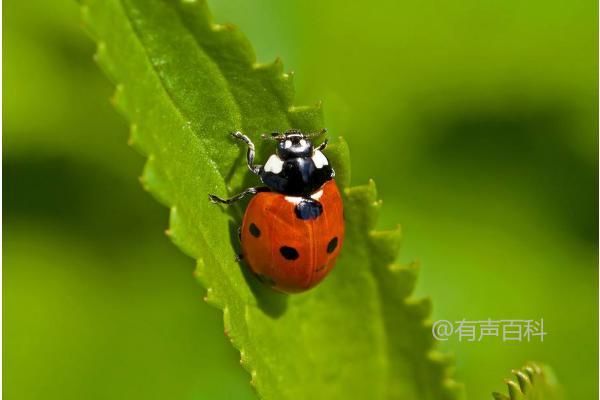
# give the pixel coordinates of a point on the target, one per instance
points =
(477, 119)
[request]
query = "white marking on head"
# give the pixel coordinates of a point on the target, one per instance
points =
(317, 195)
(293, 199)
(287, 144)
(319, 159)
(274, 164)
(302, 142)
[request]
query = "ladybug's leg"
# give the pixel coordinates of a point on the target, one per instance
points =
(321, 148)
(239, 257)
(250, 154)
(252, 190)
(323, 145)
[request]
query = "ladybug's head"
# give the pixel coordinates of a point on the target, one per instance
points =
(294, 144)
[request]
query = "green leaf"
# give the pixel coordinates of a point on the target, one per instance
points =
(532, 382)
(184, 84)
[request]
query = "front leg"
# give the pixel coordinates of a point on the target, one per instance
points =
(250, 155)
(253, 190)
(323, 145)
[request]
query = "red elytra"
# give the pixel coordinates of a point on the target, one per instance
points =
(285, 251)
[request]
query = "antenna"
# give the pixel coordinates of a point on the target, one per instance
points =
(316, 134)
(273, 136)
(292, 132)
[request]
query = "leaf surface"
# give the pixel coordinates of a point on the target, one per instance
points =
(185, 83)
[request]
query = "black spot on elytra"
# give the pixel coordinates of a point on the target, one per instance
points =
(308, 209)
(332, 245)
(289, 253)
(254, 231)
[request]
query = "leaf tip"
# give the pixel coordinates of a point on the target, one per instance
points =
(132, 140)
(222, 27)
(419, 307)
(117, 99)
(443, 359)
(209, 297)
(276, 66)
(144, 182)
(84, 13)
(371, 184)
(524, 382)
(289, 76)
(513, 389)
(100, 51)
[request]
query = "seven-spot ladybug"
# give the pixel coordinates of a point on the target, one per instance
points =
(293, 229)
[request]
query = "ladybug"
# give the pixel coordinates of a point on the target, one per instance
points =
(293, 228)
